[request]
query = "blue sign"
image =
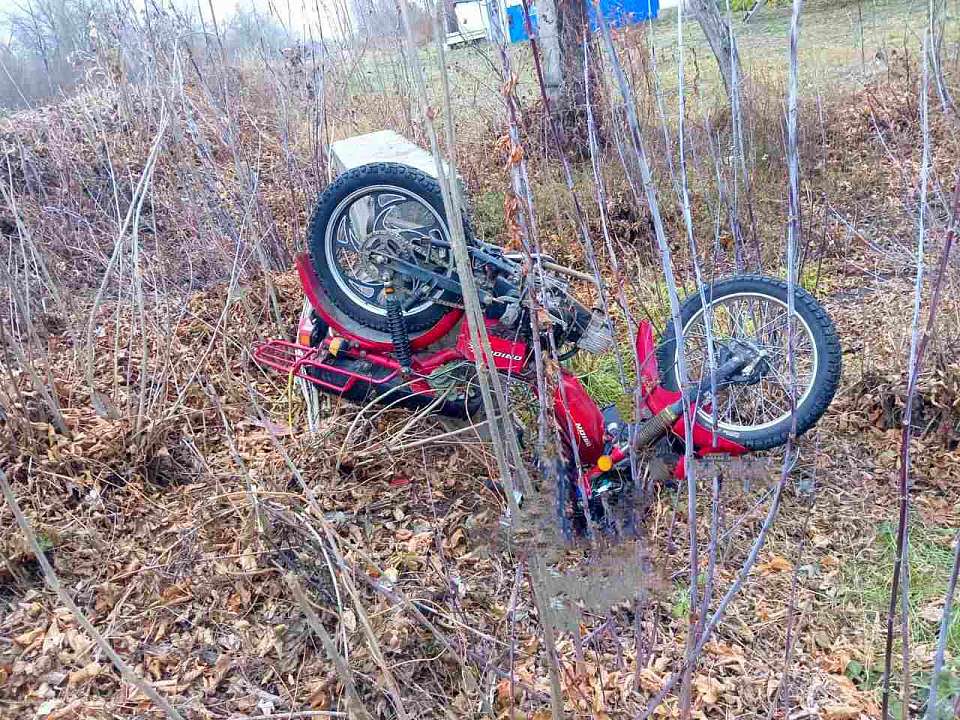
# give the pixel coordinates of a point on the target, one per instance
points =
(617, 13)
(517, 28)
(623, 12)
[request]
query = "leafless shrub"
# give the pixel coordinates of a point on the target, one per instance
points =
(147, 216)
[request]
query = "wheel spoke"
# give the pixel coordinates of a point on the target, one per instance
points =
(392, 222)
(382, 203)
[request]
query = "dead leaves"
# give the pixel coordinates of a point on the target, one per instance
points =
(349, 619)
(726, 655)
(851, 704)
(209, 630)
(28, 638)
(932, 612)
(841, 712)
(513, 152)
(87, 672)
(211, 681)
(774, 564)
(512, 210)
(709, 690)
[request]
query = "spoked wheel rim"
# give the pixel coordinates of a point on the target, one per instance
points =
(760, 320)
(384, 219)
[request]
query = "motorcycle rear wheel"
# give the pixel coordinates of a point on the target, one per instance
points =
(380, 208)
(753, 308)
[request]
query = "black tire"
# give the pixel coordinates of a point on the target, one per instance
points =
(407, 178)
(824, 336)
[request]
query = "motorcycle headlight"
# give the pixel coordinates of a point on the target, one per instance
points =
(597, 337)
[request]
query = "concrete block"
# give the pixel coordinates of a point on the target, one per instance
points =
(381, 146)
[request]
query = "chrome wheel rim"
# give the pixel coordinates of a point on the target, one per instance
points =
(360, 227)
(761, 320)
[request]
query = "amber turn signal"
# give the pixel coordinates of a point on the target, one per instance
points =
(604, 462)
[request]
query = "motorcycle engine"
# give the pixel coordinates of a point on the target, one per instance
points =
(457, 380)
(570, 322)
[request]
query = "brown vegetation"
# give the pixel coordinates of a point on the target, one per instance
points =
(147, 225)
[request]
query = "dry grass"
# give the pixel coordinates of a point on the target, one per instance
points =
(175, 529)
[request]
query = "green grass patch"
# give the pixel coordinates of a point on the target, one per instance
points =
(866, 581)
(488, 214)
(931, 559)
(808, 277)
(680, 602)
(600, 375)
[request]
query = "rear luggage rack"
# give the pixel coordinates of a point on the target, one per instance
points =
(297, 360)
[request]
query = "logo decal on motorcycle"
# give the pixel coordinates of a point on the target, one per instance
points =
(499, 354)
(583, 434)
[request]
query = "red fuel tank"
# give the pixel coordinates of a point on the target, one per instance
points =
(577, 413)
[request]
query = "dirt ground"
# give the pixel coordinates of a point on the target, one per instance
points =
(186, 578)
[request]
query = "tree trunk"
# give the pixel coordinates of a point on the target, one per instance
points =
(560, 28)
(551, 48)
(717, 32)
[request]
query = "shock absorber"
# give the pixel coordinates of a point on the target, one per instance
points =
(398, 328)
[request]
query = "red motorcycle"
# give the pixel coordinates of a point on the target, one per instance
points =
(387, 326)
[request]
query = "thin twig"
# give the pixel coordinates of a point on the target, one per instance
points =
(933, 703)
(354, 704)
(918, 350)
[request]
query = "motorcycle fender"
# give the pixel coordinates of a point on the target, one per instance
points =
(352, 331)
(647, 353)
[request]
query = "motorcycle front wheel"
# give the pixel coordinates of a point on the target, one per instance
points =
(753, 309)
